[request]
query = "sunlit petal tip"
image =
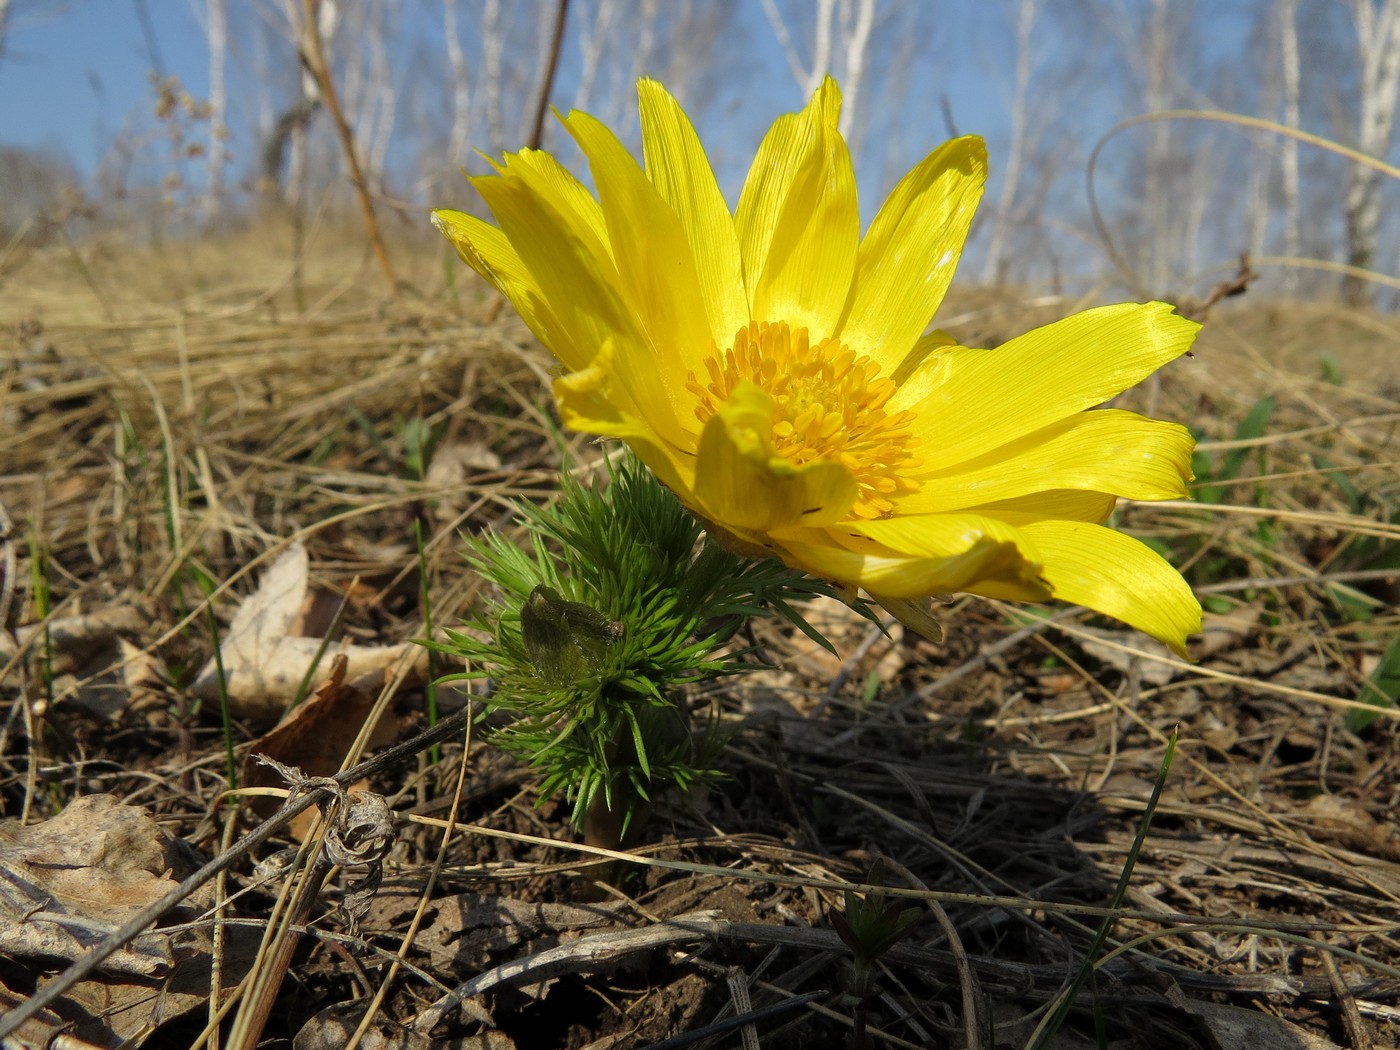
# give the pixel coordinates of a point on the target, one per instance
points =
(826, 100)
(1104, 570)
(447, 222)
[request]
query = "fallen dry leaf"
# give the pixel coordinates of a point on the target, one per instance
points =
(264, 659)
(1238, 1028)
(1104, 647)
(315, 738)
(75, 878)
(1346, 821)
(1221, 632)
(96, 668)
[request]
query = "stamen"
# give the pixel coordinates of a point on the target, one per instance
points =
(829, 405)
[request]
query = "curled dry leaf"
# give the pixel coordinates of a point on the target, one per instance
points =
(1221, 632)
(452, 468)
(1347, 821)
(1236, 1028)
(70, 636)
(74, 879)
(97, 669)
(1104, 646)
(315, 737)
(81, 874)
(264, 659)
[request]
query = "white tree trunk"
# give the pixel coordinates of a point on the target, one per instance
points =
(856, 27)
(593, 41)
(821, 50)
(385, 96)
(1292, 116)
(1159, 49)
(461, 85)
(1378, 48)
(1025, 23)
(855, 21)
(217, 32)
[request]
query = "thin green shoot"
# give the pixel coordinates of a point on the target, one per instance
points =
(425, 598)
(1381, 689)
(1054, 1019)
(43, 607)
(206, 584)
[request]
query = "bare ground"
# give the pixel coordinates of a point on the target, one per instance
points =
(173, 418)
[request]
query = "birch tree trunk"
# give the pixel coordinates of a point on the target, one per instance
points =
(217, 11)
(858, 19)
(852, 25)
(1378, 48)
(593, 40)
(461, 86)
(492, 48)
(1292, 116)
(1157, 96)
(1025, 23)
(383, 93)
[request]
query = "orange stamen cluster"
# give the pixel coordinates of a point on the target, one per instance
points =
(829, 404)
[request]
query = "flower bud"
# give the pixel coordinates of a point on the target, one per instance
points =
(566, 640)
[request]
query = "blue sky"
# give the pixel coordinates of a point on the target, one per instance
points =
(74, 73)
(74, 79)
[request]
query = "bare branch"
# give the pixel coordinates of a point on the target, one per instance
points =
(780, 30)
(313, 52)
(556, 45)
(857, 44)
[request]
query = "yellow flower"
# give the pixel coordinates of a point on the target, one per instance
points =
(772, 367)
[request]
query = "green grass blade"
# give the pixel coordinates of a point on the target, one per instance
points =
(1054, 1019)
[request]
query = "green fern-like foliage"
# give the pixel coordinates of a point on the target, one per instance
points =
(612, 607)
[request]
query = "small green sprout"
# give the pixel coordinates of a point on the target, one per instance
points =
(599, 626)
(870, 926)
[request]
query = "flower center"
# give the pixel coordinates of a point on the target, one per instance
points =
(828, 404)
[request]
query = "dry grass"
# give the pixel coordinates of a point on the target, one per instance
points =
(174, 416)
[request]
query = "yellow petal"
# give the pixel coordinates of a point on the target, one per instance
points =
(927, 345)
(741, 483)
(582, 408)
(798, 220)
(918, 557)
(601, 399)
(573, 272)
(1053, 504)
(581, 286)
(487, 251)
(1111, 451)
(1114, 574)
(978, 400)
(656, 275)
(907, 258)
(553, 182)
(677, 166)
(484, 248)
